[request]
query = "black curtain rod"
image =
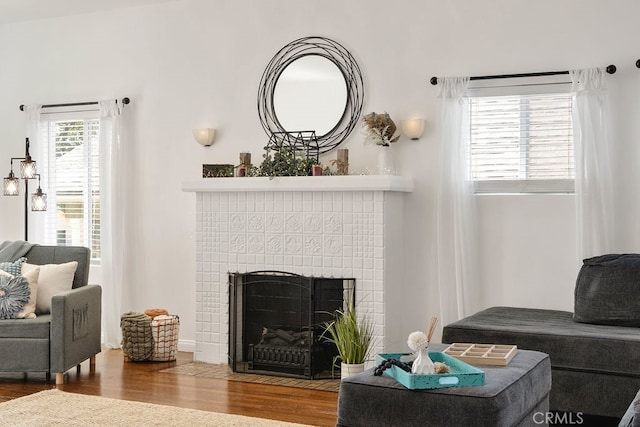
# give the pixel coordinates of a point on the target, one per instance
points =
(125, 101)
(611, 69)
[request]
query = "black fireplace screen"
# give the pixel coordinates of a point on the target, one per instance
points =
(275, 322)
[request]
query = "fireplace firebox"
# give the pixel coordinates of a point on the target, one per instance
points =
(276, 322)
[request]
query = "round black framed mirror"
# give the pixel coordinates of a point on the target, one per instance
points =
(312, 84)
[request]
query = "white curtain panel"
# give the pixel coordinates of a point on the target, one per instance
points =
(33, 114)
(456, 211)
(594, 200)
(115, 220)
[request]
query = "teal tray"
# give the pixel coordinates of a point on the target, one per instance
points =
(461, 375)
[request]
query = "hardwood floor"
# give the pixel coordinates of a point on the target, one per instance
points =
(144, 383)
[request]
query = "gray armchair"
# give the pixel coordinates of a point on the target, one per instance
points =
(68, 335)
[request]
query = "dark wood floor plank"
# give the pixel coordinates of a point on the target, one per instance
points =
(144, 382)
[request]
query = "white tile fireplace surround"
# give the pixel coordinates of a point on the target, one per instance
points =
(332, 226)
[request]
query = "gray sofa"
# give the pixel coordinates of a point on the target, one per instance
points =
(63, 338)
(594, 351)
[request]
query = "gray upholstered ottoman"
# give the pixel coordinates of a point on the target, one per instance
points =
(515, 395)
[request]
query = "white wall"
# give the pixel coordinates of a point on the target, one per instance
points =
(528, 250)
(197, 63)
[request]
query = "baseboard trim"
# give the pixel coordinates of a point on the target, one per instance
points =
(187, 345)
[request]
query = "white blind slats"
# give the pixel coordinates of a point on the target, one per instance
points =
(74, 182)
(521, 138)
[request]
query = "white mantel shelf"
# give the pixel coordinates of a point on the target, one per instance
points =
(302, 183)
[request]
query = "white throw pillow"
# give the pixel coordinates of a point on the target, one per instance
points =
(53, 279)
(29, 310)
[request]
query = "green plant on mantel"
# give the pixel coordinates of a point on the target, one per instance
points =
(285, 161)
(281, 165)
(286, 154)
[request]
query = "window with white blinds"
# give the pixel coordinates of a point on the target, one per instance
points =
(521, 143)
(70, 143)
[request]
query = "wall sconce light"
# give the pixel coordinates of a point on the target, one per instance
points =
(204, 136)
(412, 128)
(12, 186)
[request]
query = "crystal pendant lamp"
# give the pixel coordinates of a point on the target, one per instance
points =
(28, 167)
(38, 199)
(11, 185)
(27, 171)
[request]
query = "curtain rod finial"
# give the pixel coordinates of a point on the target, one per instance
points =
(638, 63)
(434, 81)
(611, 69)
(21, 107)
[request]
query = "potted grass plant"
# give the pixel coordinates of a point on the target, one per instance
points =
(353, 339)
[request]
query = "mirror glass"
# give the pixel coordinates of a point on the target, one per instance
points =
(310, 94)
(311, 84)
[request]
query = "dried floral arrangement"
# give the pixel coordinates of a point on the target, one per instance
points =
(380, 129)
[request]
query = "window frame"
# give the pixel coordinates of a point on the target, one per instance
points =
(57, 114)
(541, 85)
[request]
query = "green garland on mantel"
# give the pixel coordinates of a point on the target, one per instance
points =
(286, 162)
(283, 164)
(283, 157)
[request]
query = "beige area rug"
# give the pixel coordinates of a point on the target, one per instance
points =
(224, 372)
(57, 408)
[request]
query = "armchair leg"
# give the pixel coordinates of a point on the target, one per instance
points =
(59, 378)
(92, 363)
